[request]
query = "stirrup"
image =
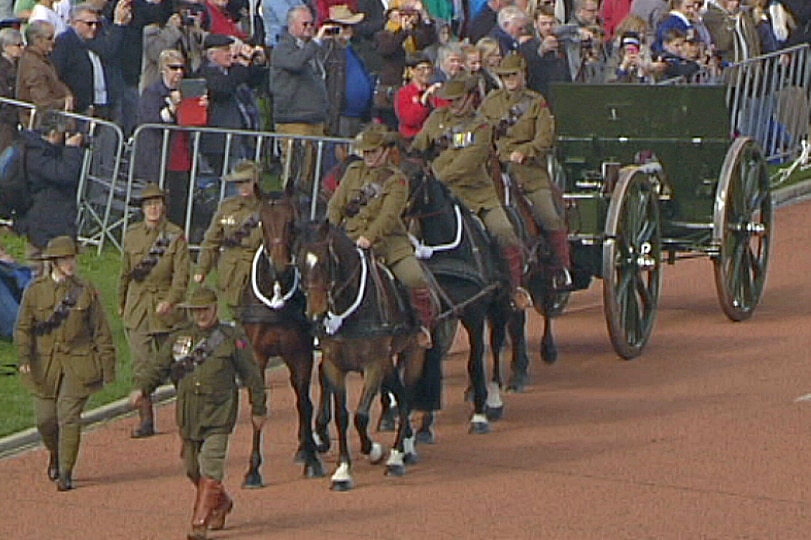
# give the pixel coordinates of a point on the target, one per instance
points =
(424, 338)
(521, 299)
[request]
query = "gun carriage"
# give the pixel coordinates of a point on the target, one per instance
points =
(652, 175)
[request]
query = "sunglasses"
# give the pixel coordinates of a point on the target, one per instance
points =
(176, 67)
(307, 24)
(90, 23)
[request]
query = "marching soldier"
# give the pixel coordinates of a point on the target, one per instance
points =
(65, 354)
(153, 280)
(463, 139)
(525, 133)
(234, 236)
(203, 360)
(368, 204)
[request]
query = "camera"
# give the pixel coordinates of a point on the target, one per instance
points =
(332, 31)
(567, 32)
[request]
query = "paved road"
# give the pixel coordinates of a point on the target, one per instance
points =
(701, 437)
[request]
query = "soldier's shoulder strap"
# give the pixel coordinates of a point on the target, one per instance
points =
(61, 310)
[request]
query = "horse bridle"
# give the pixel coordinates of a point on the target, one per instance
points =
(329, 285)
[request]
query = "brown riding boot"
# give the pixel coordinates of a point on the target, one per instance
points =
(147, 416)
(224, 506)
(421, 302)
(515, 266)
(208, 495)
(561, 262)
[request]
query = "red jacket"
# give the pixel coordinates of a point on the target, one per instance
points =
(222, 24)
(611, 13)
(411, 114)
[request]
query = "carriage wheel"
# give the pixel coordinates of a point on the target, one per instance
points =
(742, 229)
(632, 270)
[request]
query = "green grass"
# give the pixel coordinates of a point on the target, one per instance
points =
(15, 402)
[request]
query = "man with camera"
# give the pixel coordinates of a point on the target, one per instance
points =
(546, 62)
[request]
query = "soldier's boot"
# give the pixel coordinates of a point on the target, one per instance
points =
(70, 436)
(53, 466)
(559, 245)
(65, 481)
(421, 302)
(146, 414)
(224, 507)
(207, 498)
(515, 266)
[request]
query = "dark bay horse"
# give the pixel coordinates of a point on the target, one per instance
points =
(272, 315)
(361, 323)
(462, 259)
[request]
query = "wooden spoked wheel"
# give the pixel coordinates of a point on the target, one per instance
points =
(742, 229)
(632, 270)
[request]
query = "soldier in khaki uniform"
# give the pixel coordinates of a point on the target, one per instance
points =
(65, 354)
(525, 133)
(153, 280)
(368, 204)
(464, 140)
(203, 360)
(234, 236)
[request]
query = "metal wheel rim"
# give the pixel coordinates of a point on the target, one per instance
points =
(632, 270)
(742, 229)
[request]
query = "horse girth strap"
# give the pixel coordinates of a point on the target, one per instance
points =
(242, 231)
(152, 257)
(60, 312)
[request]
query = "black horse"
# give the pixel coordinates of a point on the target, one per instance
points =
(272, 314)
(473, 286)
(361, 322)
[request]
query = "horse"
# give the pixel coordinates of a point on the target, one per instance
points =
(361, 324)
(272, 315)
(462, 259)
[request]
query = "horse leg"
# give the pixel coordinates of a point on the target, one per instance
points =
(253, 478)
(388, 411)
(475, 368)
(425, 392)
(301, 366)
(494, 407)
(549, 350)
(372, 377)
(413, 361)
(395, 465)
(341, 479)
(519, 376)
(321, 435)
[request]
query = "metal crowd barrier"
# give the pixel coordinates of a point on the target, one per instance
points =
(263, 146)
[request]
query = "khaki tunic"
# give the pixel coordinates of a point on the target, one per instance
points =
(463, 166)
(166, 282)
(81, 347)
(233, 262)
(208, 397)
(533, 134)
(379, 219)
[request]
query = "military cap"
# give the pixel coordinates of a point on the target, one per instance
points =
(151, 191)
(202, 297)
(457, 87)
(512, 63)
(61, 246)
(245, 170)
(374, 136)
(212, 41)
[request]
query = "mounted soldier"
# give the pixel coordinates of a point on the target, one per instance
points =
(524, 135)
(153, 280)
(368, 205)
(233, 236)
(462, 140)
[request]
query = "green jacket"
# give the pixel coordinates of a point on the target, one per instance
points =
(166, 282)
(80, 347)
(208, 397)
(462, 166)
(533, 134)
(378, 217)
(233, 262)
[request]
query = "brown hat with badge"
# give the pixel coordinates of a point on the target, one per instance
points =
(200, 298)
(374, 136)
(151, 191)
(61, 246)
(245, 170)
(457, 87)
(341, 14)
(512, 63)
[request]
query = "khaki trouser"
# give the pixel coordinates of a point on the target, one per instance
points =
(59, 423)
(498, 225)
(545, 210)
(206, 457)
(143, 347)
(409, 272)
(304, 182)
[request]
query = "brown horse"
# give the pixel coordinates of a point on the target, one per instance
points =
(361, 323)
(273, 318)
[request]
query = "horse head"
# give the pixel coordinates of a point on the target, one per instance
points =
(433, 207)
(279, 215)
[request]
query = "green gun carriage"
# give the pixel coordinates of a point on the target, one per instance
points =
(651, 174)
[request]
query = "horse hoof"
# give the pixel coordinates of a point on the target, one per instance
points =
(341, 485)
(322, 443)
(411, 458)
(494, 414)
(549, 355)
(425, 436)
(253, 480)
(515, 388)
(395, 470)
(376, 453)
(300, 456)
(314, 470)
(479, 428)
